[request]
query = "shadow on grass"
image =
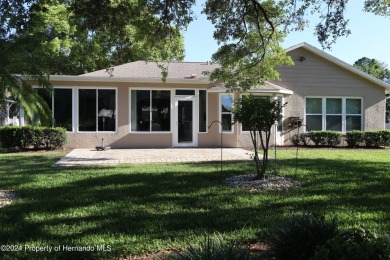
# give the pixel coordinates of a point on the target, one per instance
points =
(141, 208)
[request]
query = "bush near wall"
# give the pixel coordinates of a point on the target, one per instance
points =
(355, 138)
(326, 138)
(28, 137)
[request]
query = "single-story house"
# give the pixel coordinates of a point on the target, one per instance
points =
(129, 106)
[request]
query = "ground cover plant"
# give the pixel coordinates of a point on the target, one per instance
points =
(121, 211)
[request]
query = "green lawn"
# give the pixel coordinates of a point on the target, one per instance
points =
(135, 209)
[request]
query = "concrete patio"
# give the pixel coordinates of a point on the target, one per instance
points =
(79, 157)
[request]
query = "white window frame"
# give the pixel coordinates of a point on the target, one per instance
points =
(172, 96)
(343, 111)
(220, 113)
(97, 106)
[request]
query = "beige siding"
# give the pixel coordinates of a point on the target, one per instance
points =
(316, 76)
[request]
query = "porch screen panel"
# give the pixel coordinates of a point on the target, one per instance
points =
(63, 104)
(87, 109)
(106, 110)
(140, 110)
(46, 95)
(202, 111)
(161, 110)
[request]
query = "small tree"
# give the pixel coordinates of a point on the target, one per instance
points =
(258, 115)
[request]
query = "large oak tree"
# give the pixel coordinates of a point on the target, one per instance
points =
(39, 37)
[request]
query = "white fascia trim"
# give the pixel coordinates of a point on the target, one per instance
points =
(274, 91)
(202, 80)
(340, 63)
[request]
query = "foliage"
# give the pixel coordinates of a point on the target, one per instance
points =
(212, 247)
(377, 69)
(17, 137)
(357, 243)
(259, 114)
(42, 38)
(325, 138)
(373, 67)
(72, 37)
(300, 235)
(354, 138)
(300, 139)
(373, 138)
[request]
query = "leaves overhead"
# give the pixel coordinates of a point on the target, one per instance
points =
(41, 37)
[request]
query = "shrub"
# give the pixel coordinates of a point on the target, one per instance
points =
(355, 244)
(54, 137)
(354, 138)
(325, 138)
(212, 248)
(299, 139)
(300, 235)
(295, 140)
(373, 138)
(7, 137)
(385, 135)
(25, 137)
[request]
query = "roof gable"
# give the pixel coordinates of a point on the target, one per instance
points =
(340, 63)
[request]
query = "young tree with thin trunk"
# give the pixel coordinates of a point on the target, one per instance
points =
(258, 115)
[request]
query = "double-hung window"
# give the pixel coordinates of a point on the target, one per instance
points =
(150, 110)
(226, 115)
(333, 113)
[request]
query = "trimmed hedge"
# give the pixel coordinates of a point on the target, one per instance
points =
(355, 138)
(326, 138)
(28, 137)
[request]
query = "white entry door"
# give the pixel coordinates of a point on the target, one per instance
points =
(185, 134)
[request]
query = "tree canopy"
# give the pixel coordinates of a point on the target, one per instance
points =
(41, 37)
(373, 67)
(258, 114)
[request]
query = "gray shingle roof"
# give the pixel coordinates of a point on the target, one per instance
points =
(150, 69)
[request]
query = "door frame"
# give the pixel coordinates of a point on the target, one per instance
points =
(195, 123)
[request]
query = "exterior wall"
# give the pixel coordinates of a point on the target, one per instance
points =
(124, 138)
(316, 76)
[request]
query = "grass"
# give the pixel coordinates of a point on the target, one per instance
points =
(137, 209)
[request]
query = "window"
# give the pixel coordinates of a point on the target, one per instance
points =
(202, 111)
(60, 103)
(62, 108)
(184, 92)
(150, 110)
(226, 106)
(334, 113)
(97, 110)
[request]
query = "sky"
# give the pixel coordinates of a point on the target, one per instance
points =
(370, 37)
